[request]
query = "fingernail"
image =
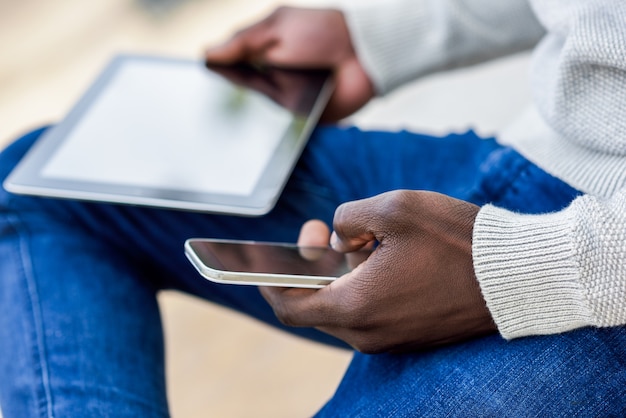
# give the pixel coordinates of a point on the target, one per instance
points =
(334, 240)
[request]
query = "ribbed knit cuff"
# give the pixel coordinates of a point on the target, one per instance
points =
(527, 271)
(394, 40)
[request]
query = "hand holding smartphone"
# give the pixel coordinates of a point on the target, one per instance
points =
(269, 264)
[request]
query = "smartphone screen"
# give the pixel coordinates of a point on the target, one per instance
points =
(269, 263)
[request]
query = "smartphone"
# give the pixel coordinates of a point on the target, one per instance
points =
(269, 264)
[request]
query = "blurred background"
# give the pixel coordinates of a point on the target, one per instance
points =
(219, 364)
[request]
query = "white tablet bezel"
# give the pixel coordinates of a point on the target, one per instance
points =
(26, 178)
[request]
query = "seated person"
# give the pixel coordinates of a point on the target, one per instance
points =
(498, 285)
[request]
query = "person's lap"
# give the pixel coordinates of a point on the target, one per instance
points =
(580, 373)
(577, 374)
(78, 286)
(339, 165)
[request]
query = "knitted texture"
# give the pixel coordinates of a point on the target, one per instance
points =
(544, 274)
(577, 128)
(399, 40)
(517, 255)
(600, 239)
(540, 274)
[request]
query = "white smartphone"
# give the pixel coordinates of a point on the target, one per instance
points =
(269, 264)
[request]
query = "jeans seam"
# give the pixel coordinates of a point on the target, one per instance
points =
(512, 188)
(485, 193)
(39, 350)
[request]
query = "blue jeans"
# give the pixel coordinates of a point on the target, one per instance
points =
(80, 333)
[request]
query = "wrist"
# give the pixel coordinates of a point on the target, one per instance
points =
(394, 43)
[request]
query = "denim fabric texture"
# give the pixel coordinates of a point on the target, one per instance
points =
(80, 332)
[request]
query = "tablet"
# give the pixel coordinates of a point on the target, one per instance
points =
(173, 133)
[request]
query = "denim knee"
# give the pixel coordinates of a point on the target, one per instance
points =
(11, 156)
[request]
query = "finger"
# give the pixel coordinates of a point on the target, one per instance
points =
(298, 307)
(249, 45)
(314, 235)
(354, 226)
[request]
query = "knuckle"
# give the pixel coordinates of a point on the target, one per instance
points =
(398, 202)
(341, 213)
(398, 211)
(349, 214)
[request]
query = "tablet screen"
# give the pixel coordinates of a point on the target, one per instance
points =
(196, 132)
(172, 133)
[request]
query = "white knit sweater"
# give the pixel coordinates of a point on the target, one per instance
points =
(540, 274)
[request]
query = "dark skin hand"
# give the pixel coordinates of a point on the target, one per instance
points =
(417, 290)
(281, 85)
(303, 38)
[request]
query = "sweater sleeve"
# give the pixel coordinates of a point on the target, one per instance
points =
(578, 72)
(546, 274)
(552, 273)
(399, 40)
